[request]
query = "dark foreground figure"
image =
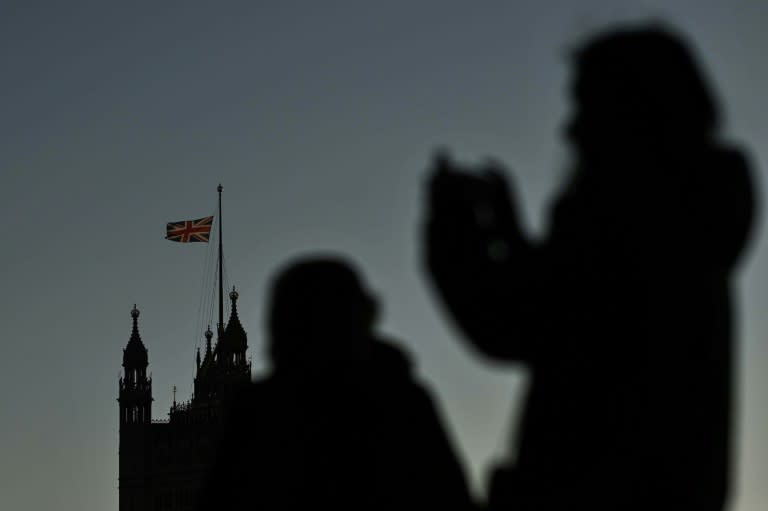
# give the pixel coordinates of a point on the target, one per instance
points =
(341, 423)
(624, 312)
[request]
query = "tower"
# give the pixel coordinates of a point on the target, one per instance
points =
(135, 388)
(135, 398)
(232, 347)
(223, 368)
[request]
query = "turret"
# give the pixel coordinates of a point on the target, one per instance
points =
(230, 352)
(134, 387)
(224, 367)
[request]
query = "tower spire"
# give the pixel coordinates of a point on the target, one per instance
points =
(235, 340)
(135, 387)
(135, 332)
(135, 353)
(208, 336)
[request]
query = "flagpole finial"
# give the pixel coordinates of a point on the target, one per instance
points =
(220, 188)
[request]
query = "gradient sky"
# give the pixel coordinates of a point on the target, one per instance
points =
(319, 118)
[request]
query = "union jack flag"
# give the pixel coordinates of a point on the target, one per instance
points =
(188, 231)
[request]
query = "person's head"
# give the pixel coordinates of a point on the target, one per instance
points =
(319, 311)
(638, 89)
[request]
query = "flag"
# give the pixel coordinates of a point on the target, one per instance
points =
(188, 231)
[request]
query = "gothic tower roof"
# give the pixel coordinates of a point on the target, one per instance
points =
(135, 353)
(235, 339)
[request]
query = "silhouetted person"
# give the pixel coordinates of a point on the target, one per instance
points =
(341, 423)
(623, 313)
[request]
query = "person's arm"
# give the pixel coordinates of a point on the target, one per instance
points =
(491, 280)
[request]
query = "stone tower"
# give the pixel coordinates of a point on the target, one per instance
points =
(165, 463)
(135, 404)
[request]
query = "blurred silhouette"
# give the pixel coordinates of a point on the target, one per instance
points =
(623, 313)
(341, 423)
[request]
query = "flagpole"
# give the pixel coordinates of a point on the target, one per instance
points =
(221, 271)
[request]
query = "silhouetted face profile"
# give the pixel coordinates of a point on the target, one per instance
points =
(638, 92)
(319, 314)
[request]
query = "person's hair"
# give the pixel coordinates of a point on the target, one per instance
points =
(645, 75)
(318, 309)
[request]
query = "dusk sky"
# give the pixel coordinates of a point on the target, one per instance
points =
(319, 119)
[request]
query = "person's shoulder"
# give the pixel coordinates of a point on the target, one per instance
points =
(727, 196)
(390, 357)
(257, 393)
(727, 160)
(726, 171)
(394, 373)
(730, 153)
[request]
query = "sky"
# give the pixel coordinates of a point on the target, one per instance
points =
(319, 119)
